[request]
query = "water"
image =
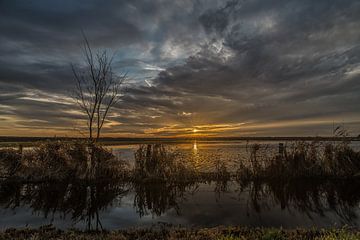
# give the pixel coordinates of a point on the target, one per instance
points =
(204, 155)
(114, 205)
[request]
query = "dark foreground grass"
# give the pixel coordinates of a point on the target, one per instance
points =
(172, 233)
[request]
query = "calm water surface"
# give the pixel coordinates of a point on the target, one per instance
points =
(204, 155)
(112, 205)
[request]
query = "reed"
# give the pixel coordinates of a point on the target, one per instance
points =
(10, 161)
(58, 160)
(54, 160)
(156, 162)
(302, 159)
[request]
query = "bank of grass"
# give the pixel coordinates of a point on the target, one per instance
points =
(57, 160)
(157, 162)
(173, 233)
(60, 160)
(302, 160)
(295, 161)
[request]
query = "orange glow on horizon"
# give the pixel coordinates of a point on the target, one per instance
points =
(15, 126)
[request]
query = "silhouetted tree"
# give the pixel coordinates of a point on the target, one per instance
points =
(98, 88)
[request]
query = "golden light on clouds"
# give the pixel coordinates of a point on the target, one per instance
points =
(271, 128)
(16, 125)
(194, 131)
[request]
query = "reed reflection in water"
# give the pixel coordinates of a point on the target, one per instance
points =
(84, 201)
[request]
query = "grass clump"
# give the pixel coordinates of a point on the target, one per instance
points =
(55, 160)
(10, 162)
(107, 165)
(302, 159)
(339, 234)
(158, 162)
(59, 160)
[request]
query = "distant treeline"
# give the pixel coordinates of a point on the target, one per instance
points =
(110, 140)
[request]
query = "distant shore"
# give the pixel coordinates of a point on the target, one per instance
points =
(26, 141)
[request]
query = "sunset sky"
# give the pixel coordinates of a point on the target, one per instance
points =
(195, 67)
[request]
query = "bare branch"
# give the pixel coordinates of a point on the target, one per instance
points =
(97, 87)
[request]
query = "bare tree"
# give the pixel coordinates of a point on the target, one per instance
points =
(98, 88)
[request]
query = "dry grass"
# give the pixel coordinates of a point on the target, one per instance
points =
(57, 160)
(302, 159)
(158, 162)
(10, 161)
(172, 233)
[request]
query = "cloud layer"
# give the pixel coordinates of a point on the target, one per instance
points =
(230, 68)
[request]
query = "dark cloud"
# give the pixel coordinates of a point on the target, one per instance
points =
(44, 25)
(205, 62)
(279, 53)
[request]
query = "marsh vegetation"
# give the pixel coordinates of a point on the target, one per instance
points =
(56, 160)
(302, 160)
(313, 179)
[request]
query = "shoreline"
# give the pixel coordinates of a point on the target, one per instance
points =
(8, 141)
(170, 232)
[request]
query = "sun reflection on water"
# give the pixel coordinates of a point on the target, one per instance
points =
(195, 148)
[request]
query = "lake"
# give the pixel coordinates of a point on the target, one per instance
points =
(114, 205)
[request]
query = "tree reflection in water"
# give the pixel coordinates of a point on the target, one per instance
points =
(83, 201)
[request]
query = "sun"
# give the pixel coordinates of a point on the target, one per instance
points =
(195, 130)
